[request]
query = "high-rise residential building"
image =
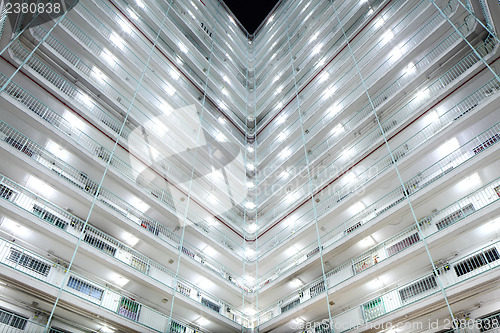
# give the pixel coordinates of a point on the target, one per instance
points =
(163, 170)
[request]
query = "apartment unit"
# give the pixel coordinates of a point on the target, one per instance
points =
(163, 170)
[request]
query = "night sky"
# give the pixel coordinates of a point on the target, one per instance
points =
(251, 13)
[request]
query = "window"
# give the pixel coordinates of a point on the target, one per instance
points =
(57, 330)
(490, 322)
(19, 146)
(476, 261)
(129, 308)
(5, 192)
(183, 289)
(175, 327)
(49, 217)
(85, 288)
(210, 304)
(29, 262)
(139, 264)
(418, 288)
(99, 244)
(12, 319)
(354, 227)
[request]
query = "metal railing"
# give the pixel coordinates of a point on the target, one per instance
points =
(418, 139)
(420, 181)
(82, 181)
(156, 192)
(72, 225)
(431, 225)
(53, 274)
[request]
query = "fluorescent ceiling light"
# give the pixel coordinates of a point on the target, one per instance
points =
(210, 251)
(212, 198)
(85, 99)
(250, 205)
(106, 329)
(15, 229)
(225, 78)
(379, 23)
(250, 184)
(132, 14)
(357, 207)
(108, 56)
(125, 26)
(202, 321)
(387, 36)
(140, 3)
(349, 177)
(74, 120)
(250, 311)
(250, 149)
(117, 40)
(169, 89)
(249, 253)
(139, 204)
(285, 153)
(250, 166)
(119, 280)
(40, 187)
(396, 53)
(281, 120)
(324, 77)
(424, 93)
(182, 48)
(130, 239)
(317, 48)
(411, 68)
(220, 137)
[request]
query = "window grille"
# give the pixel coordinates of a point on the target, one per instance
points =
(476, 261)
(31, 263)
(10, 318)
(85, 287)
(418, 288)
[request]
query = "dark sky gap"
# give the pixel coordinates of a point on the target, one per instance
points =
(250, 13)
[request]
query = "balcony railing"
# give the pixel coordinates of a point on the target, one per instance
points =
(74, 226)
(423, 179)
(388, 121)
(467, 206)
(19, 259)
